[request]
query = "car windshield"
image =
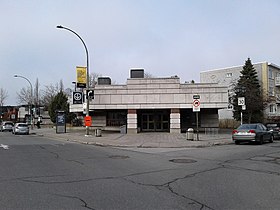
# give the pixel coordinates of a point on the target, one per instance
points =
(22, 125)
(9, 124)
(248, 126)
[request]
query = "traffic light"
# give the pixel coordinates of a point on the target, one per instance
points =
(37, 111)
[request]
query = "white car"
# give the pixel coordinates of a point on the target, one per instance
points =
(21, 128)
(7, 126)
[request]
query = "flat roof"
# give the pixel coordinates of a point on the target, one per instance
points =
(220, 69)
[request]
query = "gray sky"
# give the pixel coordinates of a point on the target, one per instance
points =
(165, 37)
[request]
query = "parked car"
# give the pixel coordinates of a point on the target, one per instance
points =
(275, 129)
(7, 126)
(21, 128)
(256, 132)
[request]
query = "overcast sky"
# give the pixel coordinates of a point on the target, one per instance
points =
(165, 37)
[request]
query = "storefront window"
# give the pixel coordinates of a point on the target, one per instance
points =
(116, 118)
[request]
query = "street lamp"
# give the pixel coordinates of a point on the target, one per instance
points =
(75, 83)
(87, 81)
(31, 97)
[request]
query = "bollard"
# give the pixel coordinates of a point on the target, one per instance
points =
(98, 132)
(123, 129)
(190, 134)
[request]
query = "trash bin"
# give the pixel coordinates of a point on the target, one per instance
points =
(190, 134)
(98, 132)
(123, 129)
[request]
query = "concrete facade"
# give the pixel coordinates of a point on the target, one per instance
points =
(156, 102)
(268, 75)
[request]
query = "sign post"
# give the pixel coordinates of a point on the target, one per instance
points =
(241, 102)
(196, 108)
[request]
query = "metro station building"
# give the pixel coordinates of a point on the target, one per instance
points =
(154, 104)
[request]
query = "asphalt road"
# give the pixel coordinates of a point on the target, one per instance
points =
(40, 173)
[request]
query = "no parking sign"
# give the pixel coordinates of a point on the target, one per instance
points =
(196, 103)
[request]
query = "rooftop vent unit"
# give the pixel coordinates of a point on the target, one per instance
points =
(104, 81)
(137, 73)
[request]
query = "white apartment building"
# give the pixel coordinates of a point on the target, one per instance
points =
(268, 75)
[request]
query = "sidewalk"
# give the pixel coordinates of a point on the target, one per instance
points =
(140, 140)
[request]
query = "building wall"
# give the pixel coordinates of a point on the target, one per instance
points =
(155, 94)
(159, 93)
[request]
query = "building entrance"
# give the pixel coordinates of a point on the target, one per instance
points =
(154, 121)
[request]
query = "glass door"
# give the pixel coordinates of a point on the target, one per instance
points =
(155, 121)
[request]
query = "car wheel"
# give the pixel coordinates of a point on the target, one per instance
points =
(237, 142)
(271, 139)
(261, 140)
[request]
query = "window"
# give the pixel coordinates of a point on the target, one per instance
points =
(116, 118)
(228, 75)
(272, 108)
(270, 74)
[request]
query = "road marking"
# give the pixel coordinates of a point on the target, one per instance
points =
(4, 146)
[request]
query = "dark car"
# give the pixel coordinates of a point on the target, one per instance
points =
(256, 132)
(7, 126)
(275, 129)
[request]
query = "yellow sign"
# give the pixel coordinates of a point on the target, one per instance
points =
(81, 76)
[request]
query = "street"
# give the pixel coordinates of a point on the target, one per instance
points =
(41, 173)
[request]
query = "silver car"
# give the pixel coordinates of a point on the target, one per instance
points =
(21, 128)
(252, 133)
(7, 126)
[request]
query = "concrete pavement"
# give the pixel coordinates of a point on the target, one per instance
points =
(140, 140)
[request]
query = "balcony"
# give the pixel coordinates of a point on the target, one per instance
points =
(277, 81)
(277, 98)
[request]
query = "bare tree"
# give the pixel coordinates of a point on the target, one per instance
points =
(50, 92)
(61, 86)
(68, 92)
(148, 75)
(93, 79)
(24, 96)
(3, 96)
(36, 93)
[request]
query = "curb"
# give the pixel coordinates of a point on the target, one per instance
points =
(99, 144)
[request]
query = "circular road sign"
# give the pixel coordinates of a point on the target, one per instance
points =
(196, 103)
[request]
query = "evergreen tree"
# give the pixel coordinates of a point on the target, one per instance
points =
(60, 103)
(248, 86)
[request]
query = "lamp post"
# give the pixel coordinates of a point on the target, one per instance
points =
(31, 97)
(87, 81)
(75, 83)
